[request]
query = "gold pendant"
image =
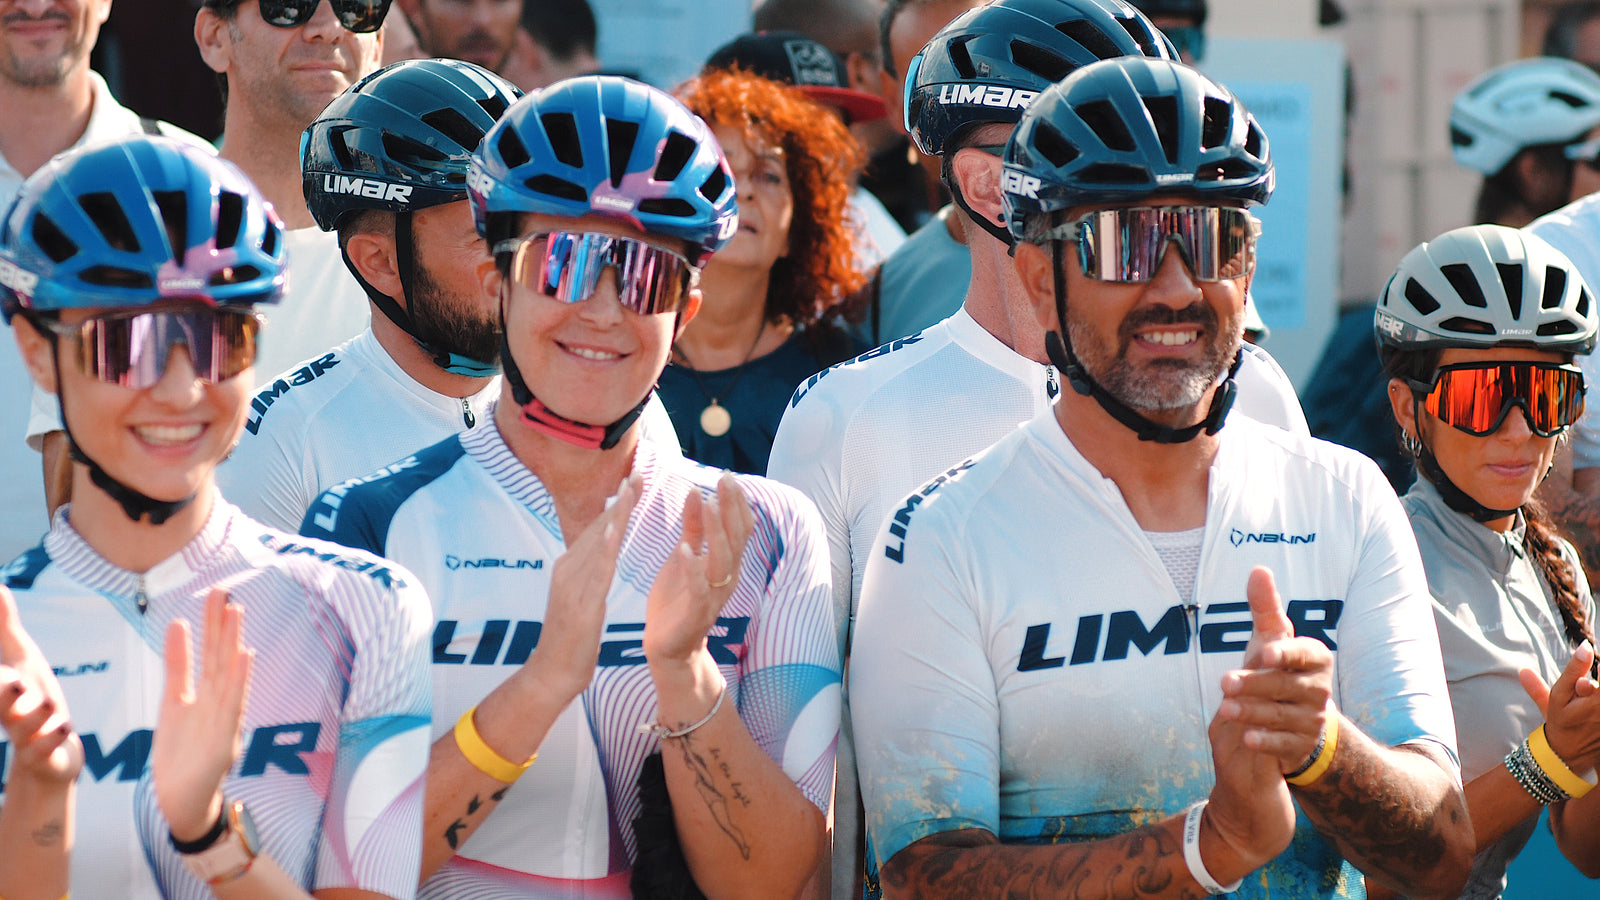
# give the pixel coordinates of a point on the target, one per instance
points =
(715, 421)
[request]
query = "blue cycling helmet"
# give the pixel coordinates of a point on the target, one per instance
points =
(1129, 129)
(130, 223)
(609, 146)
(400, 139)
(990, 62)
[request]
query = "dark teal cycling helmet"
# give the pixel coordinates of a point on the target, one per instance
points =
(610, 146)
(135, 222)
(1129, 129)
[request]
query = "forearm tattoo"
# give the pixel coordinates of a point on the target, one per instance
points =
(1140, 863)
(452, 832)
(718, 801)
(1378, 828)
(49, 834)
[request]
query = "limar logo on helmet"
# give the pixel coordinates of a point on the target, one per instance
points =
(993, 95)
(376, 190)
(1018, 184)
(174, 285)
(17, 279)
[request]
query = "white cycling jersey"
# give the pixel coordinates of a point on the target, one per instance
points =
(1574, 229)
(1024, 663)
(335, 730)
(348, 412)
(482, 533)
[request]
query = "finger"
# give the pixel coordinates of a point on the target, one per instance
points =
(179, 690)
(736, 511)
(13, 646)
(719, 553)
(212, 639)
(30, 721)
(1266, 608)
(37, 750)
(1576, 669)
(1537, 690)
(694, 526)
(239, 685)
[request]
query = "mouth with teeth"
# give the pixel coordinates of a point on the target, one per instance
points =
(1170, 338)
(169, 435)
(591, 353)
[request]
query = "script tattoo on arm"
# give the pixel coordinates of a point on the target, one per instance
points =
(720, 804)
(973, 863)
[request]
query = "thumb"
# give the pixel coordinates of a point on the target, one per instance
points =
(13, 640)
(1567, 682)
(1267, 619)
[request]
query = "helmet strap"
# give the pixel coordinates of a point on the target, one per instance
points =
(540, 417)
(135, 504)
(1453, 496)
(1058, 346)
(950, 181)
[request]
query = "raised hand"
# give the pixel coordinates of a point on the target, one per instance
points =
(198, 735)
(1571, 708)
(700, 574)
(1281, 695)
(32, 708)
(579, 582)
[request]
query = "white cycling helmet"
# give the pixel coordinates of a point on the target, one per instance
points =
(1485, 286)
(1522, 104)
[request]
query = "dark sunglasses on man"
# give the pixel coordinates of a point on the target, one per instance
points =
(359, 16)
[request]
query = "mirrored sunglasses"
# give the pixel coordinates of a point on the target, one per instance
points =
(132, 349)
(1476, 397)
(359, 16)
(567, 265)
(1127, 244)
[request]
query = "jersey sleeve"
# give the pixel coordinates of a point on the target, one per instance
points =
(1266, 394)
(1390, 671)
(372, 821)
(269, 479)
(923, 700)
(806, 455)
(789, 677)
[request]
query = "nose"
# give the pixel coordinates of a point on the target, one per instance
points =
(1516, 426)
(323, 24)
(179, 386)
(34, 8)
(1173, 283)
(603, 308)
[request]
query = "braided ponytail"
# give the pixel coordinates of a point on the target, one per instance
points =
(1539, 538)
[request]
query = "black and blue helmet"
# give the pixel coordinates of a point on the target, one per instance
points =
(1128, 129)
(400, 139)
(136, 222)
(990, 62)
(610, 146)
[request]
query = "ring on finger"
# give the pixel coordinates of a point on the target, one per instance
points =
(727, 580)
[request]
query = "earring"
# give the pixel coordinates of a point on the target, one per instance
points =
(1410, 442)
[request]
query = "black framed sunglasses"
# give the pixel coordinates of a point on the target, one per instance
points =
(359, 16)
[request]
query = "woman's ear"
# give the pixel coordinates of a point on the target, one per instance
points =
(37, 353)
(1403, 406)
(691, 308)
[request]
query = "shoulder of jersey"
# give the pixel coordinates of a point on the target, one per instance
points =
(321, 563)
(357, 512)
(20, 573)
(1342, 463)
(296, 395)
(857, 378)
(770, 500)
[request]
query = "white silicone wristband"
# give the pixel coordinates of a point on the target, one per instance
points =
(1191, 853)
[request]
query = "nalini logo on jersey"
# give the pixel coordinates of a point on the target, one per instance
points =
(1239, 538)
(453, 563)
(985, 95)
(1223, 628)
(1020, 185)
(366, 187)
(88, 668)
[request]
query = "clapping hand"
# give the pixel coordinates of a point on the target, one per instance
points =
(1571, 708)
(32, 708)
(199, 734)
(700, 575)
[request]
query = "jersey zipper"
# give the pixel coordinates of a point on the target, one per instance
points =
(1051, 388)
(466, 414)
(140, 598)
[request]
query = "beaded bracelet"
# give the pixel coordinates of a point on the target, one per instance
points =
(1555, 768)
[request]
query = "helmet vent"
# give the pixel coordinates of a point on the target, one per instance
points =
(1164, 116)
(230, 218)
(115, 277)
(412, 153)
(1112, 173)
(1053, 145)
(557, 187)
(1253, 141)
(338, 141)
(562, 130)
(1459, 137)
(1214, 126)
(1090, 37)
(1102, 119)
(1466, 326)
(52, 240)
(1560, 326)
(1041, 62)
(1555, 284)
(672, 207)
(494, 105)
(1583, 304)
(620, 137)
(1466, 284)
(452, 124)
(174, 206)
(511, 150)
(1420, 299)
(1571, 100)
(714, 185)
(1225, 170)
(269, 238)
(106, 214)
(676, 152)
(234, 275)
(1511, 277)
(1141, 37)
(962, 60)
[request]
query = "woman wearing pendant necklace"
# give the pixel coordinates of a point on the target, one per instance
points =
(773, 294)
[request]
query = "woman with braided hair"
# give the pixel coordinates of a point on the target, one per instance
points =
(1477, 331)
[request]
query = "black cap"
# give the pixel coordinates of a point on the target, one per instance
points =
(793, 58)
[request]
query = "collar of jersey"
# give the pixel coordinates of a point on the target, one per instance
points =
(988, 349)
(365, 348)
(85, 565)
(1499, 550)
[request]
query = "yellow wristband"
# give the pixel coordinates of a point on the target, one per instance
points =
(1555, 768)
(482, 756)
(1324, 759)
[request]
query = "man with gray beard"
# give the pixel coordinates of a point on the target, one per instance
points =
(53, 102)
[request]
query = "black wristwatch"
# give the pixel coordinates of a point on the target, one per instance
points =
(226, 851)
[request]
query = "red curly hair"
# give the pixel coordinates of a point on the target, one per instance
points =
(821, 158)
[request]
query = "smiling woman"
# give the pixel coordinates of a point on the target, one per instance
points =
(773, 295)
